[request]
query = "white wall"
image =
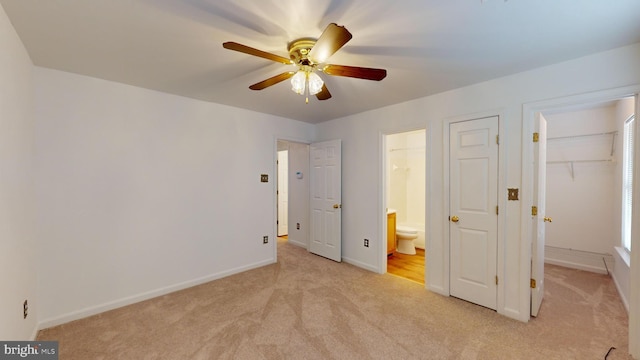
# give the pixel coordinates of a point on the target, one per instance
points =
(140, 193)
(506, 96)
(583, 205)
(299, 194)
(18, 269)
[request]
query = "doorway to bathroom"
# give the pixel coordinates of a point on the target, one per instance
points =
(404, 195)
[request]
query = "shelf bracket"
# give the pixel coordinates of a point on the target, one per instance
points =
(573, 175)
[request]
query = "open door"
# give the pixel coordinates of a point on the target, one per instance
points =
(538, 213)
(326, 199)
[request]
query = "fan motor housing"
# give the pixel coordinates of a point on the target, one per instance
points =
(299, 50)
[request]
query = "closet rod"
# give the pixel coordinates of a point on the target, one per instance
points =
(612, 133)
(578, 161)
(585, 135)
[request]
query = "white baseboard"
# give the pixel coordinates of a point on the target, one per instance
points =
(97, 309)
(297, 243)
(578, 259)
(515, 314)
(437, 289)
(360, 264)
(623, 298)
(34, 334)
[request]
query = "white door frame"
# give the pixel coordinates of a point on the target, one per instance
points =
(382, 146)
(500, 304)
(528, 118)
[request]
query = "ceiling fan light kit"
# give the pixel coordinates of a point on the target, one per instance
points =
(306, 79)
(307, 54)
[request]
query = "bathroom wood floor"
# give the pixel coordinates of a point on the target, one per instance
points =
(407, 266)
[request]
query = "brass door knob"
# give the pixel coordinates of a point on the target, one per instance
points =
(548, 219)
(337, 206)
(455, 219)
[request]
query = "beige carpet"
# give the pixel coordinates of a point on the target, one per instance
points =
(307, 307)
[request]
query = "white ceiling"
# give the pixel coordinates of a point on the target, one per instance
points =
(427, 46)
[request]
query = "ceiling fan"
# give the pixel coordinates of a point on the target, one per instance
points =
(309, 55)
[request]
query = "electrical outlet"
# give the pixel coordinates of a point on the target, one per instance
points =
(264, 178)
(366, 242)
(25, 309)
(265, 239)
(297, 226)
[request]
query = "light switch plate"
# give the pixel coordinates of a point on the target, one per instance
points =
(264, 178)
(513, 194)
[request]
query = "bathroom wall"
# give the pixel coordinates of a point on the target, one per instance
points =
(406, 180)
(396, 175)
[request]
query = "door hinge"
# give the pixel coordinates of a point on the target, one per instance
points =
(534, 210)
(498, 139)
(497, 210)
(533, 283)
(536, 137)
(496, 279)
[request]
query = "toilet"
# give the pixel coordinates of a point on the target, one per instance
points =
(405, 236)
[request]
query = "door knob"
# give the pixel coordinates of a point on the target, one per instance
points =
(455, 219)
(548, 219)
(337, 206)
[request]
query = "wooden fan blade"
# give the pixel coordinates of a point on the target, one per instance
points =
(272, 81)
(255, 52)
(355, 72)
(332, 39)
(324, 94)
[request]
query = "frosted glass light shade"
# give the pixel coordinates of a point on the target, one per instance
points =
(315, 83)
(298, 82)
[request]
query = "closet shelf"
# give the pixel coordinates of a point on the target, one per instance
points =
(571, 162)
(609, 133)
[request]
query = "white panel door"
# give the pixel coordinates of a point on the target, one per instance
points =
(539, 193)
(473, 226)
(326, 195)
(283, 192)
